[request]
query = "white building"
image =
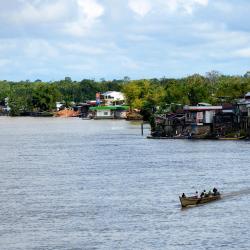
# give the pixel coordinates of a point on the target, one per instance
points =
(113, 98)
(58, 105)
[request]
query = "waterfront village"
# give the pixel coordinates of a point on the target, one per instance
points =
(203, 121)
(107, 105)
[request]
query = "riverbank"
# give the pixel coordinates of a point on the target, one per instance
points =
(193, 138)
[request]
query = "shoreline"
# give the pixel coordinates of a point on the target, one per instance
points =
(187, 138)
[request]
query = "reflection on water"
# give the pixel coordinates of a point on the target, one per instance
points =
(74, 184)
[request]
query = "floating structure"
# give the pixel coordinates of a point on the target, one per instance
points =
(109, 112)
(204, 121)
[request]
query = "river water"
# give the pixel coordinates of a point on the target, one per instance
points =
(76, 184)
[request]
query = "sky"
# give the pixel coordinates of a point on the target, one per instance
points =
(110, 39)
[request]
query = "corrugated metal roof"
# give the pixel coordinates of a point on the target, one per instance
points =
(202, 108)
(110, 108)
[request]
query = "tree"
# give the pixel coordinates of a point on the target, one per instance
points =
(20, 99)
(44, 97)
(4, 90)
(126, 79)
(196, 89)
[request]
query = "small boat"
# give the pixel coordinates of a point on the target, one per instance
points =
(194, 200)
(232, 138)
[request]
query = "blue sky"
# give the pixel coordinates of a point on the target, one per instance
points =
(51, 39)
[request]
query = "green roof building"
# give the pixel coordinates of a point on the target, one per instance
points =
(109, 112)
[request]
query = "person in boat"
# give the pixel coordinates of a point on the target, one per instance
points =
(206, 194)
(215, 191)
(196, 194)
(183, 195)
(202, 194)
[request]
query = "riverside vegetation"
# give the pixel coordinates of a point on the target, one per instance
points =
(145, 94)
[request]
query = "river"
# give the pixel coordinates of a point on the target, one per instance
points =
(77, 184)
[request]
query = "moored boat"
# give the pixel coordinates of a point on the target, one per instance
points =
(232, 138)
(193, 200)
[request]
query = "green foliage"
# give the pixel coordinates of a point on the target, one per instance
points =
(145, 95)
(20, 98)
(44, 97)
(140, 93)
(4, 90)
(197, 89)
(170, 94)
(38, 96)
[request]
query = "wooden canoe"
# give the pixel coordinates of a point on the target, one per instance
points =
(232, 138)
(193, 201)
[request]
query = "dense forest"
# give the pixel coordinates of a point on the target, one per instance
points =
(26, 96)
(146, 94)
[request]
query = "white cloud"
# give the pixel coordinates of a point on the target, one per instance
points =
(242, 53)
(140, 7)
(88, 13)
(51, 37)
(187, 6)
(90, 8)
(73, 17)
(39, 11)
(5, 62)
(201, 2)
(129, 63)
(39, 49)
(80, 48)
(143, 7)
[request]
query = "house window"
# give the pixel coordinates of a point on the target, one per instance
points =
(106, 113)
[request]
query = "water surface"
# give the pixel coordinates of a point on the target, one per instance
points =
(74, 184)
